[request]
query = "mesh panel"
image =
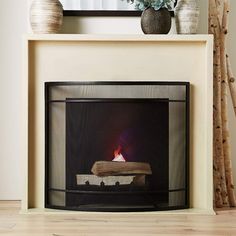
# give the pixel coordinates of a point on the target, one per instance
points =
(109, 199)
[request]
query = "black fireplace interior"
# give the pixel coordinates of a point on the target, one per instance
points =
(117, 146)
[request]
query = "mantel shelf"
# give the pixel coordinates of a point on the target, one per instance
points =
(118, 37)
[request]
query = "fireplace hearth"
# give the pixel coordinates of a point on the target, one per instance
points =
(117, 146)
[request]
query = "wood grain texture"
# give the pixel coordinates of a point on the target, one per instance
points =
(219, 175)
(111, 168)
(100, 224)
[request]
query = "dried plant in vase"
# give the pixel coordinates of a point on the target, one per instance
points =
(156, 18)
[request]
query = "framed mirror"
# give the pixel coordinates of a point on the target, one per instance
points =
(100, 8)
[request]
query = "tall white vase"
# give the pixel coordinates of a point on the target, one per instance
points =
(187, 16)
(46, 16)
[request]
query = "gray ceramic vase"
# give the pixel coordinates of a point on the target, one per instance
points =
(155, 21)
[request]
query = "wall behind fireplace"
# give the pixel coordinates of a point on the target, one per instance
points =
(13, 23)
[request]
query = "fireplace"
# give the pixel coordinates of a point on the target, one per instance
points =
(117, 146)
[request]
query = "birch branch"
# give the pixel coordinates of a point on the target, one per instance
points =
(220, 188)
(231, 82)
(224, 111)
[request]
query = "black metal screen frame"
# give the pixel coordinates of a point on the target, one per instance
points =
(47, 188)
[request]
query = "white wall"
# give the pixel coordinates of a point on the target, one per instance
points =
(13, 23)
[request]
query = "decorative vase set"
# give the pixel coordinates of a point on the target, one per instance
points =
(46, 16)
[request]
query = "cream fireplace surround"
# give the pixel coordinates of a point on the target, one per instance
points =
(119, 58)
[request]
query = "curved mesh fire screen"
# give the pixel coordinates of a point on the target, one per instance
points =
(117, 146)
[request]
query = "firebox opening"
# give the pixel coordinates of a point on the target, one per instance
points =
(138, 132)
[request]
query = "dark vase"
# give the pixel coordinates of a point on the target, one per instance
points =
(156, 21)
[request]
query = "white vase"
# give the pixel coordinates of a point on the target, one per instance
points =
(187, 16)
(46, 16)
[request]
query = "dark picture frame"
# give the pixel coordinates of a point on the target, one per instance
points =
(130, 13)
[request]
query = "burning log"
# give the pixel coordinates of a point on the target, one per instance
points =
(111, 168)
(138, 180)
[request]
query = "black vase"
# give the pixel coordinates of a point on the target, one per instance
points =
(156, 21)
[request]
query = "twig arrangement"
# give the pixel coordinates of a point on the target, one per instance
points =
(223, 77)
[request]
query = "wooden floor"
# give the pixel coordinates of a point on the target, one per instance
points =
(13, 223)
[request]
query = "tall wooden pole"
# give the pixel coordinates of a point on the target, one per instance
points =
(218, 162)
(223, 178)
(224, 95)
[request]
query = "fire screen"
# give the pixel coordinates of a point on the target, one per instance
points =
(117, 146)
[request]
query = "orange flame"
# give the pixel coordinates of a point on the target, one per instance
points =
(118, 156)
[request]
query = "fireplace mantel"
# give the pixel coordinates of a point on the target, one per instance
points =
(119, 58)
